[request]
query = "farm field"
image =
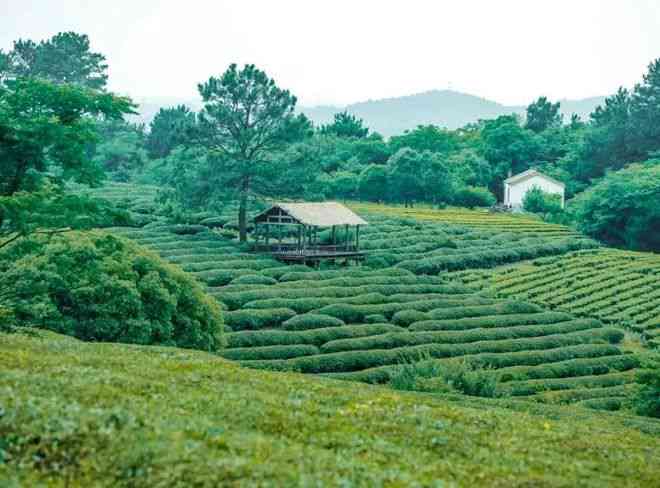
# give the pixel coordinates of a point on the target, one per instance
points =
(478, 218)
(82, 414)
(359, 323)
(614, 286)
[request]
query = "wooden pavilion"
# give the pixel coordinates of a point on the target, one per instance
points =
(290, 232)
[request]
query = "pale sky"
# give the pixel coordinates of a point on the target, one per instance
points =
(339, 52)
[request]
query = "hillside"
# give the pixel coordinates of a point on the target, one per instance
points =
(391, 116)
(79, 414)
(360, 323)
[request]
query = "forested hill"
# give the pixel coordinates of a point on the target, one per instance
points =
(391, 116)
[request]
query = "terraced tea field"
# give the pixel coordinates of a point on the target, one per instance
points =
(478, 218)
(614, 286)
(360, 323)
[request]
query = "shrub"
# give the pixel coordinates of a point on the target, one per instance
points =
(413, 374)
(270, 352)
(258, 319)
(539, 202)
(406, 317)
(253, 279)
(311, 321)
(99, 287)
(375, 319)
(470, 379)
(474, 196)
(647, 400)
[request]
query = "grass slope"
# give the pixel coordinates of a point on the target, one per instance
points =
(77, 414)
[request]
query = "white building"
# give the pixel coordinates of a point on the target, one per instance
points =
(516, 186)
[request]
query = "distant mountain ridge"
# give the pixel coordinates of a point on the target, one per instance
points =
(391, 116)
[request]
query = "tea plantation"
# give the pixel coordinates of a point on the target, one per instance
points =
(422, 294)
(614, 286)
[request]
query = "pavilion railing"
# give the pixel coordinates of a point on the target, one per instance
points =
(288, 248)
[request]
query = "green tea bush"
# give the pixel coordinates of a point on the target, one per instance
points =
(484, 310)
(375, 319)
(311, 321)
(315, 337)
(270, 352)
(406, 317)
(405, 339)
(489, 321)
(99, 287)
(647, 400)
(356, 360)
(258, 319)
(253, 279)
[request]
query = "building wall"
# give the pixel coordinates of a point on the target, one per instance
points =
(515, 192)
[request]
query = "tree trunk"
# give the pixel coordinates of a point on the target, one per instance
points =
(242, 211)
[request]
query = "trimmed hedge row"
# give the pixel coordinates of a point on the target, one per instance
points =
(270, 352)
(372, 279)
(257, 319)
(490, 321)
(315, 337)
(253, 279)
(501, 308)
(572, 367)
(532, 387)
(521, 359)
(358, 313)
(357, 360)
(304, 305)
(491, 258)
(405, 339)
(295, 275)
(238, 300)
(312, 321)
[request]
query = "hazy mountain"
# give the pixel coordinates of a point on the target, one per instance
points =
(390, 116)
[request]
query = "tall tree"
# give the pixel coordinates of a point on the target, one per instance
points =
(246, 116)
(64, 58)
(346, 125)
(427, 138)
(405, 176)
(542, 115)
(645, 111)
(171, 127)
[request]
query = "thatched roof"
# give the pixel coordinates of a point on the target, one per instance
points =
(322, 214)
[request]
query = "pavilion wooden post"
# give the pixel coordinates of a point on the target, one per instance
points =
(334, 236)
(267, 234)
(357, 237)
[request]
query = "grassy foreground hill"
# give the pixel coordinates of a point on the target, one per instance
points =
(81, 414)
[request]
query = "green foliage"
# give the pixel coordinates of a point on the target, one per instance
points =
(647, 400)
(473, 196)
(543, 115)
(45, 129)
(98, 287)
(170, 127)
(258, 319)
(64, 58)
(345, 125)
(427, 138)
(622, 209)
(540, 202)
(245, 117)
(312, 321)
(122, 155)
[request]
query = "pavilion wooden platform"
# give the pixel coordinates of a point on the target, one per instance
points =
(290, 233)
